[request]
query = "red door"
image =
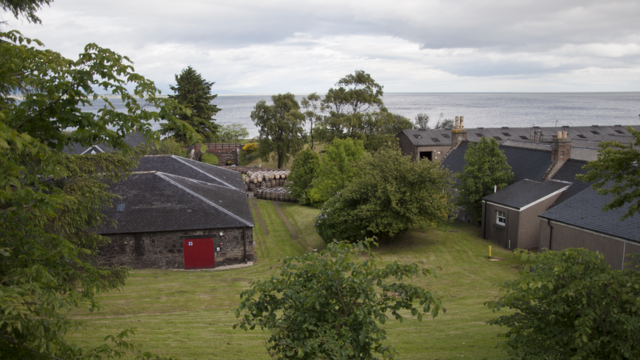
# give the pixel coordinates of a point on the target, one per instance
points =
(198, 253)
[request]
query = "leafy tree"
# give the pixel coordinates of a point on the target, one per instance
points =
(570, 304)
(26, 8)
(326, 305)
(388, 194)
(312, 112)
(303, 170)
(166, 146)
(397, 124)
(486, 167)
(50, 201)
(446, 124)
(374, 143)
(232, 132)
(193, 93)
(280, 126)
(422, 121)
(355, 107)
(617, 172)
(337, 168)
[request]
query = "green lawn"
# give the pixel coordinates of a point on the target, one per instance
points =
(317, 147)
(189, 314)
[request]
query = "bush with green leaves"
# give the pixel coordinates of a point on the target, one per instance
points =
(389, 194)
(209, 159)
(166, 146)
(303, 171)
(337, 167)
(327, 305)
(570, 304)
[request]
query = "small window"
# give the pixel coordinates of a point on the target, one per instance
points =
(595, 132)
(446, 136)
(435, 139)
(619, 132)
(581, 136)
(417, 136)
(524, 137)
(120, 207)
(497, 137)
(501, 218)
(506, 134)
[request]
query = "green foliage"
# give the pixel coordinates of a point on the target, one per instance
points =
(166, 146)
(570, 305)
(303, 171)
(486, 167)
(397, 124)
(326, 305)
(193, 93)
(209, 159)
(377, 142)
(50, 201)
(446, 124)
(337, 168)
(388, 194)
(421, 121)
(280, 126)
(617, 172)
(233, 132)
(26, 8)
(312, 113)
(355, 108)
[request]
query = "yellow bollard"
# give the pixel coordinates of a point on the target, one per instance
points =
(489, 251)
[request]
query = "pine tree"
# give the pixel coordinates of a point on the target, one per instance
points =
(193, 93)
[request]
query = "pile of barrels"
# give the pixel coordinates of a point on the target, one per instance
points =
(275, 194)
(265, 179)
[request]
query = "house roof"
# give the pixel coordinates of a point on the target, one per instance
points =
(192, 169)
(525, 193)
(133, 140)
(525, 163)
(157, 201)
(584, 210)
(431, 137)
(568, 173)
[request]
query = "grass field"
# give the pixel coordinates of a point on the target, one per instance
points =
(317, 147)
(189, 314)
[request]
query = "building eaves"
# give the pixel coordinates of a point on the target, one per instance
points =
(525, 193)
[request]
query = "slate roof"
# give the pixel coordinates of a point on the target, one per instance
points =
(584, 136)
(584, 210)
(192, 169)
(525, 163)
(158, 201)
(568, 173)
(133, 140)
(525, 192)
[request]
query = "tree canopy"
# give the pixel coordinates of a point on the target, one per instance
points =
(387, 194)
(24, 8)
(193, 93)
(486, 167)
(570, 304)
(327, 305)
(617, 172)
(51, 201)
(280, 127)
(313, 110)
(303, 171)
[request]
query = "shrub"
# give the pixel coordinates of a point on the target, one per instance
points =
(209, 159)
(250, 147)
(302, 173)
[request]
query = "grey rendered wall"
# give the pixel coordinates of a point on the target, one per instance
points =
(498, 233)
(529, 232)
(163, 250)
(565, 237)
(405, 145)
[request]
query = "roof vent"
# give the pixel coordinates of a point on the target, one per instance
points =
(505, 127)
(618, 125)
(565, 126)
(421, 129)
(120, 207)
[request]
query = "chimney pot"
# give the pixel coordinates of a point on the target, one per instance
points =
(564, 134)
(461, 122)
(457, 122)
(559, 135)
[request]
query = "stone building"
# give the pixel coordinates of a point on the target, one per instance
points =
(191, 215)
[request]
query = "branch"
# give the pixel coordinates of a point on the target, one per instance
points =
(42, 110)
(28, 348)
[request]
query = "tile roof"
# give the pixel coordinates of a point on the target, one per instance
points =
(584, 210)
(133, 140)
(525, 192)
(192, 169)
(525, 163)
(158, 201)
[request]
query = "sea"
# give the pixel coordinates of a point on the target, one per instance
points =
(478, 109)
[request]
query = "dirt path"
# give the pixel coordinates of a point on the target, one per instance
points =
(259, 217)
(292, 230)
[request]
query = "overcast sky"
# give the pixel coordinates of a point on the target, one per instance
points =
(267, 47)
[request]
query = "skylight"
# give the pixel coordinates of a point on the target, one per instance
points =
(120, 207)
(435, 139)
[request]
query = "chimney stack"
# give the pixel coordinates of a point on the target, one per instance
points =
(458, 133)
(560, 153)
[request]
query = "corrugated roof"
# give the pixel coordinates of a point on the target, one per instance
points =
(525, 192)
(584, 210)
(164, 202)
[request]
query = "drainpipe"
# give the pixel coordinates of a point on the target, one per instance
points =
(244, 238)
(550, 232)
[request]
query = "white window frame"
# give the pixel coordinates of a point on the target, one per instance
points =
(501, 218)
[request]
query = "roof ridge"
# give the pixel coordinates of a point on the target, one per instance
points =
(166, 178)
(200, 170)
(197, 181)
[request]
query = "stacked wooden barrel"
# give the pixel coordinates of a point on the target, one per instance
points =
(274, 194)
(265, 179)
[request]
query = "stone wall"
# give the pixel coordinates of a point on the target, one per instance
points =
(163, 250)
(224, 152)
